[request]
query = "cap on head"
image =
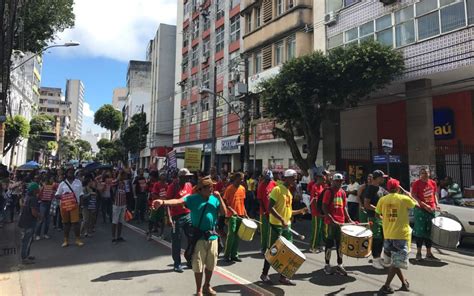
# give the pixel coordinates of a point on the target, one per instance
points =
(33, 187)
(338, 177)
(184, 172)
(378, 173)
(206, 181)
(393, 184)
(290, 173)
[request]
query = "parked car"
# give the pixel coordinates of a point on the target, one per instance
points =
(464, 214)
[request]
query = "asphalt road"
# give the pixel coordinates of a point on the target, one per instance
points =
(139, 267)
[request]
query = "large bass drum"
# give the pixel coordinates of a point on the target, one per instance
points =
(285, 257)
(445, 232)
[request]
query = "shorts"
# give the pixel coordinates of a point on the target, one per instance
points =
(398, 250)
(70, 216)
(118, 214)
(205, 254)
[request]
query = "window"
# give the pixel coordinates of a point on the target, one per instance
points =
(258, 17)
(220, 66)
(248, 22)
(428, 25)
(234, 3)
(290, 47)
(206, 47)
(258, 63)
(194, 80)
(452, 17)
(220, 9)
(279, 53)
(195, 57)
(183, 115)
(352, 35)
(335, 41)
(291, 3)
(235, 28)
(194, 111)
(220, 39)
(205, 109)
(186, 37)
(425, 6)
(206, 78)
(207, 20)
(184, 63)
(405, 26)
(184, 92)
(279, 7)
(470, 11)
(195, 28)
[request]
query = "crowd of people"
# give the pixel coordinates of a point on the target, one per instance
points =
(208, 210)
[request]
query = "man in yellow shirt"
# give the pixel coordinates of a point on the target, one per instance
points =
(393, 209)
(281, 211)
(234, 198)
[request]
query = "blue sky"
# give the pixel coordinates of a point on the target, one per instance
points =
(108, 41)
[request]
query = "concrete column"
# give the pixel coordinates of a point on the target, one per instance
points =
(420, 136)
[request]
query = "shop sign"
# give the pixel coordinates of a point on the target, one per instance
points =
(192, 159)
(443, 122)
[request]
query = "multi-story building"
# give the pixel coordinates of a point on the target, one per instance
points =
(275, 31)
(138, 100)
(52, 102)
(75, 96)
(208, 46)
(162, 54)
(428, 112)
(119, 97)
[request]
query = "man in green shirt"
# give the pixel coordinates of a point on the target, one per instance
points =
(454, 191)
(205, 208)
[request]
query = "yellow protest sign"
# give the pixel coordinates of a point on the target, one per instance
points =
(192, 159)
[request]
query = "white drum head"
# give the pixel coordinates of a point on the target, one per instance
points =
(292, 247)
(446, 224)
(356, 231)
(249, 223)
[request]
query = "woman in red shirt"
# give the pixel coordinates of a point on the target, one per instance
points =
(46, 195)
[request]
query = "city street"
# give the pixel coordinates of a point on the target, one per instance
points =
(139, 267)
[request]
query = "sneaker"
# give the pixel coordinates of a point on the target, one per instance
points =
(236, 259)
(46, 236)
(313, 250)
(65, 243)
(320, 250)
(120, 239)
(114, 241)
(228, 259)
(287, 282)
(341, 270)
(386, 290)
(405, 287)
(37, 238)
(31, 257)
(27, 261)
(418, 257)
(265, 278)
(79, 243)
(376, 263)
(328, 269)
(178, 269)
(431, 257)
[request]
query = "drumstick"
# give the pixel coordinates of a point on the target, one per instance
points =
(300, 236)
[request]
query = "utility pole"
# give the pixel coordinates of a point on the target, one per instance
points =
(140, 134)
(214, 121)
(247, 104)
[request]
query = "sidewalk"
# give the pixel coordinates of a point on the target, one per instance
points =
(10, 283)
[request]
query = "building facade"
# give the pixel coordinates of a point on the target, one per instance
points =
(52, 102)
(119, 97)
(75, 97)
(162, 54)
(428, 112)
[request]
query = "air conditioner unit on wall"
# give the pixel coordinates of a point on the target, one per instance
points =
(330, 18)
(388, 2)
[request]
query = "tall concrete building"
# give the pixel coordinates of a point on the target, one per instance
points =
(162, 54)
(428, 112)
(119, 97)
(75, 96)
(208, 46)
(138, 100)
(52, 102)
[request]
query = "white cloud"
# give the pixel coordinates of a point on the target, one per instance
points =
(87, 111)
(117, 29)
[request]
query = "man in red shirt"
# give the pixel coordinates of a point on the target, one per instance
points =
(180, 217)
(424, 191)
(334, 206)
(265, 186)
(317, 223)
(157, 217)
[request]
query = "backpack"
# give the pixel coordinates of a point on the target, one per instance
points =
(319, 202)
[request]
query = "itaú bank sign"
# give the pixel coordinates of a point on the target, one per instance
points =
(443, 123)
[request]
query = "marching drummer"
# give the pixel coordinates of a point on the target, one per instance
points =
(265, 186)
(234, 198)
(393, 209)
(317, 218)
(424, 190)
(281, 212)
(334, 208)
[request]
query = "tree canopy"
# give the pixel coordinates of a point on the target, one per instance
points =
(134, 137)
(110, 151)
(108, 117)
(310, 88)
(41, 130)
(67, 149)
(83, 148)
(16, 129)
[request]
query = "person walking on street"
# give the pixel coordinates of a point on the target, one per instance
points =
(70, 192)
(234, 197)
(373, 194)
(157, 217)
(335, 210)
(205, 207)
(281, 212)
(393, 209)
(264, 189)
(119, 208)
(179, 215)
(89, 207)
(140, 192)
(317, 218)
(46, 195)
(352, 200)
(360, 197)
(424, 191)
(29, 216)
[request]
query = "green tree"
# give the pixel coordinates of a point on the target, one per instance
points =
(111, 151)
(134, 137)
(83, 147)
(16, 129)
(309, 89)
(109, 118)
(52, 146)
(67, 149)
(41, 130)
